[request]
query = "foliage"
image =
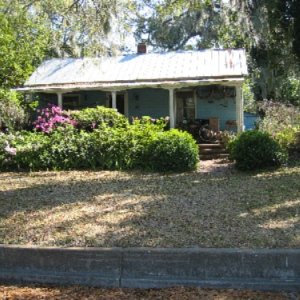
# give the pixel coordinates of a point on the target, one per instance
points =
(93, 118)
(142, 132)
(32, 151)
(143, 145)
(23, 43)
(7, 152)
(172, 24)
(268, 30)
(254, 150)
(287, 137)
(248, 95)
(50, 118)
(12, 115)
(291, 89)
(173, 151)
(76, 28)
(227, 137)
(277, 116)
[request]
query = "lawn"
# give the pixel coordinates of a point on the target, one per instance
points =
(206, 208)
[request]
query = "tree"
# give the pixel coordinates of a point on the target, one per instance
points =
(172, 24)
(269, 30)
(82, 27)
(23, 43)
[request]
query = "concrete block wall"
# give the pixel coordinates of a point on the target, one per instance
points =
(264, 269)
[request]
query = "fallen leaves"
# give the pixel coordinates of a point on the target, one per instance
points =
(85, 293)
(211, 207)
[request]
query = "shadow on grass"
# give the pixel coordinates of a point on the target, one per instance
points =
(155, 210)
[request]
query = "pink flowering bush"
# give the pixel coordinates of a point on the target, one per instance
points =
(50, 118)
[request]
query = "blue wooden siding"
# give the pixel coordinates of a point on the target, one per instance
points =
(224, 109)
(250, 120)
(148, 102)
(155, 103)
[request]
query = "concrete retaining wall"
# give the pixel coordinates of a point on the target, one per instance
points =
(147, 268)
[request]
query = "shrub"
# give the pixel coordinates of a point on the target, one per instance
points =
(50, 118)
(256, 150)
(290, 89)
(277, 117)
(142, 132)
(143, 145)
(287, 138)
(112, 148)
(173, 150)
(92, 118)
(7, 151)
(12, 115)
(32, 151)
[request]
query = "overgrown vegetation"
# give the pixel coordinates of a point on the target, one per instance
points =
(98, 138)
(282, 122)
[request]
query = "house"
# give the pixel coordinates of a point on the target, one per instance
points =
(203, 85)
(250, 120)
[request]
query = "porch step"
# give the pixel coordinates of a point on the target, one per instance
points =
(214, 156)
(210, 146)
(212, 151)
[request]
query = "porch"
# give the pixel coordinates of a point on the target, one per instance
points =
(216, 107)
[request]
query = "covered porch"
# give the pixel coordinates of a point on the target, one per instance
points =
(217, 106)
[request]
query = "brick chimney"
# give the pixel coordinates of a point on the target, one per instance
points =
(141, 48)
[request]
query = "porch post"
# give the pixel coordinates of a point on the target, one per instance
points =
(171, 107)
(114, 99)
(60, 99)
(239, 102)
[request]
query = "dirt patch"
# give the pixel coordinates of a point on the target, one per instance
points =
(216, 166)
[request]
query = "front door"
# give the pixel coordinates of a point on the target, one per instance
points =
(120, 103)
(185, 107)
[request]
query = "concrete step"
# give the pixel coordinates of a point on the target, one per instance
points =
(212, 150)
(210, 146)
(214, 156)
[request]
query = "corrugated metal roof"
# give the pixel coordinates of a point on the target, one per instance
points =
(152, 67)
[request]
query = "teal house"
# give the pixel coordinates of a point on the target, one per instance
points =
(185, 86)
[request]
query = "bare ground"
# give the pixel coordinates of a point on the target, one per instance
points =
(215, 206)
(59, 293)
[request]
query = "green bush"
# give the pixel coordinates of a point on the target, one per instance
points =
(32, 151)
(92, 118)
(142, 145)
(142, 132)
(172, 150)
(256, 150)
(12, 115)
(287, 137)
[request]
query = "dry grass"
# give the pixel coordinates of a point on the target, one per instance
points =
(219, 208)
(74, 293)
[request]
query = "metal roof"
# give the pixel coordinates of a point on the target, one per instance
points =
(140, 68)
